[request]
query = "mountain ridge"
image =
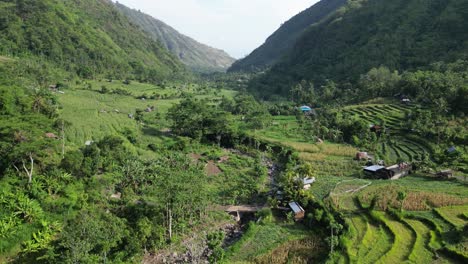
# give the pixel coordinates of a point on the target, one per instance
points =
(401, 35)
(89, 38)
(197, 56)
(283, 39)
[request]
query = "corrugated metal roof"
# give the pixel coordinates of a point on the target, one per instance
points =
(309, 180)
(374, 168)
(296, 207)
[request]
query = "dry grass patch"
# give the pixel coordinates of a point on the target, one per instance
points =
(338, 150)
(307, 156)
(298, 251)
(303, 147)
(5, 59)
(386, 197)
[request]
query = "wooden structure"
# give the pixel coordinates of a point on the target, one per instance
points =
(377, 130)
(362, 156)
(238, 210)
(393, 172)
(298, 211)
(373, 170)
(445, 174)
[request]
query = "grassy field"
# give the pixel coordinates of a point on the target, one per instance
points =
(93, 114)
(274, 243)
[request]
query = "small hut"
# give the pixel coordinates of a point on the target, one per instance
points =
(373, 170)
(406, 101)
(298, 211)
(445, 174)
(362, 156)
(307, 182)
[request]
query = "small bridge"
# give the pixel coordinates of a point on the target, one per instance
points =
(244, 208)
(238, 210)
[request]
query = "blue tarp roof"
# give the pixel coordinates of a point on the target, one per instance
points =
(305, 108)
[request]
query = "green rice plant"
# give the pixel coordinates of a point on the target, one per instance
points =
(404, 240)
(454, 215)
(420, 253)
(360, 226)
(405, 155)
(377, 234)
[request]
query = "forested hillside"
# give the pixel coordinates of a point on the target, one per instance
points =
(283, 40)
(197, 56)
(87, 37)
(401, 35)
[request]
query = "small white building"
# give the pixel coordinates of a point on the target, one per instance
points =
(307, 182)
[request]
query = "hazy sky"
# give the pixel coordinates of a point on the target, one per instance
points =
(236, 26)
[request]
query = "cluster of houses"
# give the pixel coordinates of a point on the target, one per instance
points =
(295, 207)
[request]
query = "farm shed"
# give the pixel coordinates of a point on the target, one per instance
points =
(406, 101)
(307, 182)
(305, 108)
(445, 174)
(298, 211)
(392, 172)
(372, 170)
(362, 156)
(398, 170)
(452, 150)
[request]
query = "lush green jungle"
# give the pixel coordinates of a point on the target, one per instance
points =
(112, 151)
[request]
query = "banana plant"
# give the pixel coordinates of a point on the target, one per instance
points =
(27, 208)
(7, 227)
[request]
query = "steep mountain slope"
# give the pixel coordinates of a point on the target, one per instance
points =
(88, 37)
(195, 55)
(284, 38)
(399, 34)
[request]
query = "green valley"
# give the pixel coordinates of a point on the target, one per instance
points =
(342, 139)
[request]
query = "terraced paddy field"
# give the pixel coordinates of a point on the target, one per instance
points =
(381, 238)
(432, 235)
(420, 252)
(367, 234)
(401, 143)
(455, 215)
(403, 241)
